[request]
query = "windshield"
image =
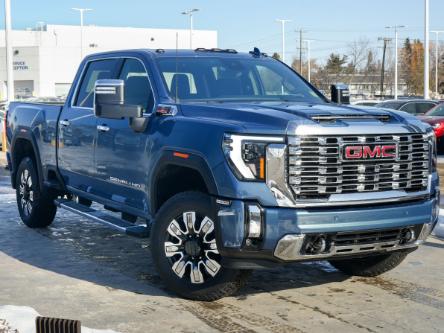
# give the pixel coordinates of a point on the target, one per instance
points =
(227, 79)
(437, 111)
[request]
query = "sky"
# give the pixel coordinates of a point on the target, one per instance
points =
(244, 24)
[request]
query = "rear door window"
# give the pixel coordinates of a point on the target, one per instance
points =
(422, 108)
(409, 108)
(96, 70)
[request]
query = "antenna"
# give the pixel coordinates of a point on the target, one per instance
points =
(177, 66)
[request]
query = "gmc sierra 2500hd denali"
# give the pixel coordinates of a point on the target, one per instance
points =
(234, 162)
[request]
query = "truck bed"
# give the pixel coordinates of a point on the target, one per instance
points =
(40, 119)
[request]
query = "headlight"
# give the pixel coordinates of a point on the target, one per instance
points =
(433, 150)
(246, 154)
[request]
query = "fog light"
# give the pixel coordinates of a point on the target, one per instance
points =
(316, 245)
(254, 220)
(407, 236)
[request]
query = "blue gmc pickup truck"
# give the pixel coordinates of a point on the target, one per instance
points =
(231, 162)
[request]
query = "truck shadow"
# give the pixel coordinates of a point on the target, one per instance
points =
(82, 250)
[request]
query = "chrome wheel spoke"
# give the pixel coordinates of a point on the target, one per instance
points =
(23, 203)
(196, 274)
(175, 231)
(211, 247)
(29, 207)
(172, 249)
(31, 196)
(179, 267)
(21, 190)
(189, 219)
(206, 227)
(212, 266)
(23, 178)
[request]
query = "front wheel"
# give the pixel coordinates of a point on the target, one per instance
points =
(370, 266)
(36, 207)
(184, 249)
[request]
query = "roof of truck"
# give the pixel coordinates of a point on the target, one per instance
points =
(216, 52)
(204, 52)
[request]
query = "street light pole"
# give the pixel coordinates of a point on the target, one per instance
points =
(437, 32)
(308, 41)
(81, 11)
(396, 27)
(283, 36)
(9, 60)
(426, 48)
(190, 14)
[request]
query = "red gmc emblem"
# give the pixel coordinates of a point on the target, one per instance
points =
(368, 152)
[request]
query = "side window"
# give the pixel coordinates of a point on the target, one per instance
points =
(137, 85)
(410, 108)
(96, 70)
(424, 107)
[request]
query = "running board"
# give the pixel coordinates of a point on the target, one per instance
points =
(103, 218)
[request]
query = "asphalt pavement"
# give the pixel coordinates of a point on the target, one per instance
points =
(80, 270)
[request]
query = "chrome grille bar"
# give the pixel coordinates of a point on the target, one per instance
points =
(316, 170)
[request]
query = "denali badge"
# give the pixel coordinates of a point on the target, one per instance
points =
(370, 152)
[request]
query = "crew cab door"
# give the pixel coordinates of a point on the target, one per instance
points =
(121, 152)
(78, 128)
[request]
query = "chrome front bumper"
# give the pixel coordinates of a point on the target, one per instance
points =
(291, 247)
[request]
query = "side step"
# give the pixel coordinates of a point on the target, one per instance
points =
(101, 217)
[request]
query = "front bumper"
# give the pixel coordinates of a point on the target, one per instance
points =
(286, 231)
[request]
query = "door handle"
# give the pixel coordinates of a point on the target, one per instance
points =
(64, 123)
(103, 128)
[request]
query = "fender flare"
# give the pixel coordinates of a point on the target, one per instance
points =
(27, 135)
(194, 161)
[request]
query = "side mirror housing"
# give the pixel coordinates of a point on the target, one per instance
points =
(340, 94)
(109, 101)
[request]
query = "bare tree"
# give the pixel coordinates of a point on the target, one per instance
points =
(358, 51)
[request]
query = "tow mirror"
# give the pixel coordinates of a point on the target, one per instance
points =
(340, 94)
(109, 101)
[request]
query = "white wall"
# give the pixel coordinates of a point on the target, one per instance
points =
(53, 55)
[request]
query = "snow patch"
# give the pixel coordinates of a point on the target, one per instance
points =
(21, 319)
(323, 265)
(439, 229)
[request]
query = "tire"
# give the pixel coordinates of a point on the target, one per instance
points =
(36, 207)
(370, 266)
(191, 249)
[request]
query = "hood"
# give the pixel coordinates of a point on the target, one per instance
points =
(304, 119)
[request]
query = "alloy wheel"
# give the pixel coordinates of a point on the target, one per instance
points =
(191, 248)
(26, 192)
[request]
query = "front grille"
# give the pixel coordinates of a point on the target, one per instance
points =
(368, 237)
(316, 169)
(344, 243)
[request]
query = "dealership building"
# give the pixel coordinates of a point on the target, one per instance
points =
(46, 58)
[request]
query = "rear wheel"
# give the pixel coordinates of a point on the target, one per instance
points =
(370, 266)
(36, 207)
(185, 251)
